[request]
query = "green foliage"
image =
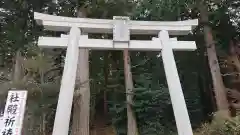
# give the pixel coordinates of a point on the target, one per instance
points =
(152, 108)
(221, 127)
(117, 102)
(163, 10)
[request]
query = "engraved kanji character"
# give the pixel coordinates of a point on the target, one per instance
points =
(12, 109)
(7, 132)
(14, 97)
(9, 121)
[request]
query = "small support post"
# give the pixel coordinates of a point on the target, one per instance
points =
(174, 85)
(131, 118)
(63, 113)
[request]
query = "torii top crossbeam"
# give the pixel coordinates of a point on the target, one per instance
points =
(59, 23)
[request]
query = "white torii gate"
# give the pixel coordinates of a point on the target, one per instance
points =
(121, 27)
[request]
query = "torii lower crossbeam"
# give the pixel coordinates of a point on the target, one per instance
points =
(105, 44)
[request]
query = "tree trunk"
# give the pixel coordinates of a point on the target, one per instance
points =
(17, 73)
(219, 88)
(132, 124)
(81, 108)
(234, 56)
(43, 123)
(106, 71)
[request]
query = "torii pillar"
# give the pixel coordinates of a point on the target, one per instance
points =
(121, 30)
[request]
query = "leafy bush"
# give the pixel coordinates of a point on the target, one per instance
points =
(153, 107)
(221, 127)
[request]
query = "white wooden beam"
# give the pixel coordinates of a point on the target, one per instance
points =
(174, 86)
(64, 106)
(106, 44)
(59, 23)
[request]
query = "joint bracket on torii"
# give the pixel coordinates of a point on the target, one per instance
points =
(121, 32)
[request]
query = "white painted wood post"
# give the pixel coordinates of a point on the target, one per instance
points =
(14, 112)
(63, 113)
(174, 85)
